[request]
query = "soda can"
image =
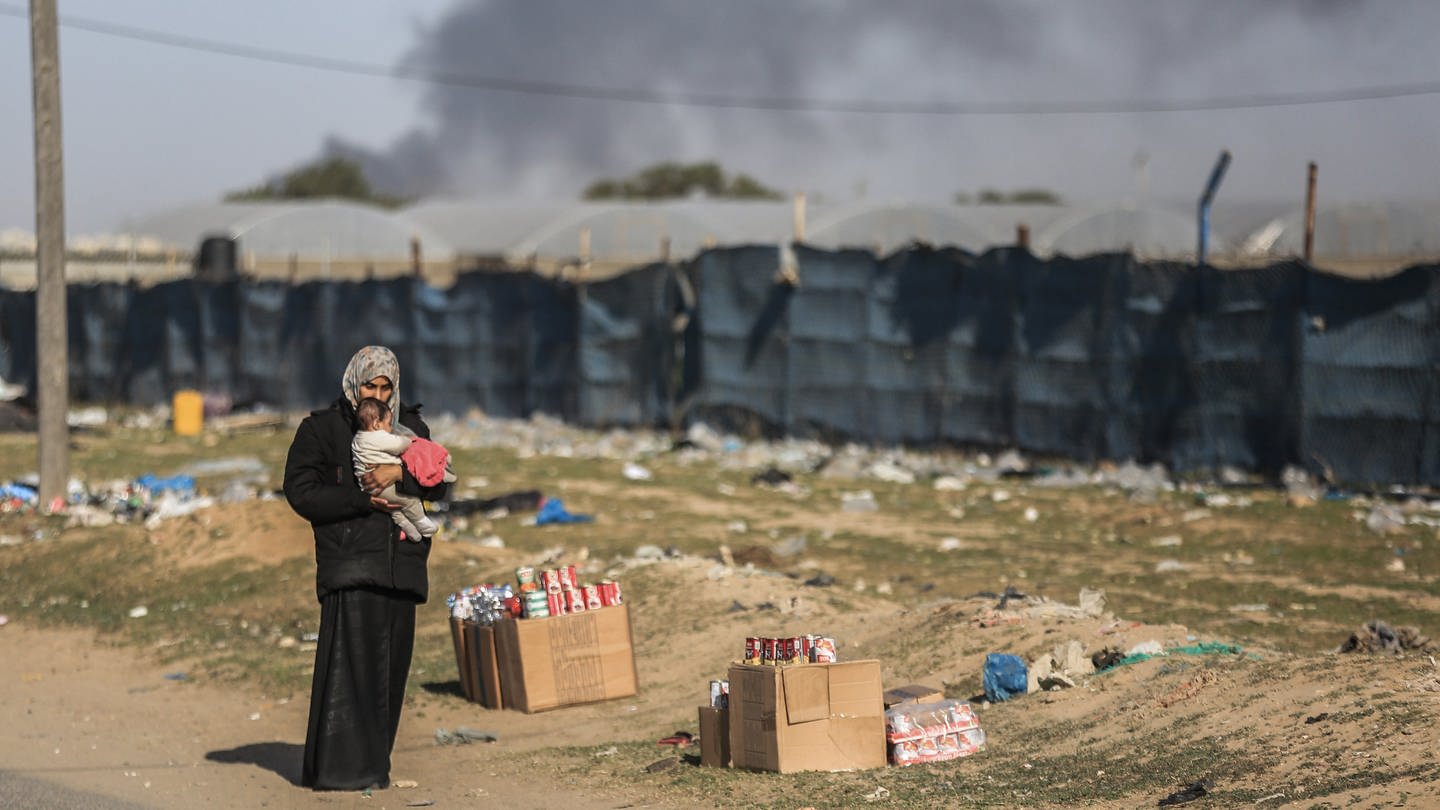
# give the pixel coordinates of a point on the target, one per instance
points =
(616, 594)
(752, 649)
(767, 651)
(574, 601)
(556, 603)
(568, 580)
(550, 579)
(525, 575)
(592, 597)
(715, 694)
(807, 643)
(792, 650)
(825, 652)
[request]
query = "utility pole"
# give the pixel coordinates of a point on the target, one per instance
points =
(52, 364)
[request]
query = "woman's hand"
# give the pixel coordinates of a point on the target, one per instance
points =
(382, 476)
(382, 505)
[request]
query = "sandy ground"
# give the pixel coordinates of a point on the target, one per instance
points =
(88, 717)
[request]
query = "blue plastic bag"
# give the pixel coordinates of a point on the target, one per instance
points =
(553, 511)
(1005, 677)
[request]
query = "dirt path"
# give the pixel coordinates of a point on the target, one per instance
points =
(89, 717)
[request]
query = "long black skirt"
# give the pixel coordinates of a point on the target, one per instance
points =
(361, 662)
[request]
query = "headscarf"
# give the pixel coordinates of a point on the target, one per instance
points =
(367, 364)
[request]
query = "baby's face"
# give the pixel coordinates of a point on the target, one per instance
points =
(386, 423)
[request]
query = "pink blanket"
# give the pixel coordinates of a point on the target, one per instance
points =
(426, 461)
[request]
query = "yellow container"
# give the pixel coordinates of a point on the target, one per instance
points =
(188, 413)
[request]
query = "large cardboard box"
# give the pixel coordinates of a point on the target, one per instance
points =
(564, 660)
(714, 737)
(807, 717)
(475, 658)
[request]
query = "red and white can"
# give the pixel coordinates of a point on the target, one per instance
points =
(567, 578)
(574, 601)
(557, 603)
(550, 578)
(752, 649)
(592, 597)
(767, 651)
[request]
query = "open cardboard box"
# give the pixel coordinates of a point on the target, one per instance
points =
(558, 661)
(807, 717)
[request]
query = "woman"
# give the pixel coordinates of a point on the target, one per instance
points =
(367, 580)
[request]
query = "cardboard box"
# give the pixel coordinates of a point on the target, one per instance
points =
(462, 658)
(475, 657)
(485, 664)
(807, 717)
(714, 737)
(564, 660)
(913, 693)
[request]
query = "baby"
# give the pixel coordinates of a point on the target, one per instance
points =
(376, 444)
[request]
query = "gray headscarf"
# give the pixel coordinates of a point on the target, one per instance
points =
(367, 364)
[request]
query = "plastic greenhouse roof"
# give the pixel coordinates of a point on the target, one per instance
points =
(329, 228)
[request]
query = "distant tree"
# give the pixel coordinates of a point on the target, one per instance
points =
(1034, 196)
(329, 177)
(668, 180)
(1024, 196)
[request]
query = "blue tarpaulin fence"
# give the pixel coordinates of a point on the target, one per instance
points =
(1102, 357)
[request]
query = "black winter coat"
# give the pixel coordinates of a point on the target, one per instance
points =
(355, 545)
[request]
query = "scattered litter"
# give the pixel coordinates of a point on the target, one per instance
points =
(608, 752)
(1004, 677)
(421, 803)
(1169, 541)
(553, 511)
(176, 676)
(4, 620)
(890, 472)
(862, 501)
(949, 483)
(1377, 636)
(462, 736)
(1384, 519)
(879, 793)
(999, 496)
(404, 784)
(662, 765)
(634, 472)
(951, 544)
(139, 612)
(1189, 794)
(1256, 607)
(770, 477)
(679, 739)
(1031, 514)
(1169, 566)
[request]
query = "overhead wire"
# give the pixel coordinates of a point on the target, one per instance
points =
(636, 95)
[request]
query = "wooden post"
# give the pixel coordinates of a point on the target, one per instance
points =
(416, 255)
(585, 253)
(1310, 213)
(665, 249)
(1022, 236)
(798, 217)
(52, 360)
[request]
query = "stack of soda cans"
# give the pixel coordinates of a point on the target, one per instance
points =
(558, 592)
(808, 649)
(554, 592)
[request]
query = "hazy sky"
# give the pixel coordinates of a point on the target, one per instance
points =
(148, 126)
